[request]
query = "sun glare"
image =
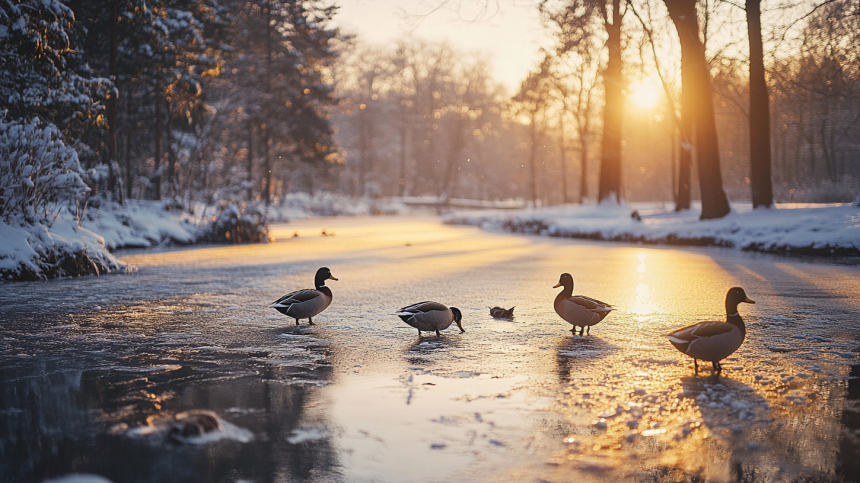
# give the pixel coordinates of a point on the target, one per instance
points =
(644, 94)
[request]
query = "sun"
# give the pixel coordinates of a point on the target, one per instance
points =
(644, 94)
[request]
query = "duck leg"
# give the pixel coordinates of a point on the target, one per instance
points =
(311, 321)
(297, 321)
(718, 368)
(696, 365)
(581, 330)
(438, 334)
(588, 332)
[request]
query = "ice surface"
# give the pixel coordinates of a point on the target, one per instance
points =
(301, 435)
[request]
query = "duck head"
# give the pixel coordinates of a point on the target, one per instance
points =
(458, 318)
(323, 274)
(736, 296)
(565, 280)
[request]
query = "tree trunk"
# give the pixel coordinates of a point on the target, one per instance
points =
(533, 158)
(404, 130)
(159, 128)
(128, 171)
(685, 154)
(583, 168)
(364, 161)
(610, 161)
(563, 151)
(673, 162)
(171, 153)
(267, 167)
(760, 160)
(250, 162)
(715, 204)
(112, 102)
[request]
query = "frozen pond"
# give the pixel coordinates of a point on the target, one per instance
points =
(93, 370)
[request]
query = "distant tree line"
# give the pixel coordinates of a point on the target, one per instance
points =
(207, 100)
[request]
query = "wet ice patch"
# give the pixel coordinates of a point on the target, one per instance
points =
(581, 353)
(79, 478)
(302, 435)
(161, 368)
(659, 362)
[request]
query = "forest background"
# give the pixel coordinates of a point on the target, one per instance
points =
(237, 104)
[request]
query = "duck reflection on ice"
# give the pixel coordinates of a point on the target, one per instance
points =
(574, 353)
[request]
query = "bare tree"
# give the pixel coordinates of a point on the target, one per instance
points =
(531, 102)
(696, 88)
(759, 112)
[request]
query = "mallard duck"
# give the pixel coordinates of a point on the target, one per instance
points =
(304, 304)
(500, 313)
(578, 310)
(188, 424)
(429, 316)
(714, 340)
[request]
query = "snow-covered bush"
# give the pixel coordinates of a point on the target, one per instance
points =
(37, 171)
(36, 252)
(238, 223)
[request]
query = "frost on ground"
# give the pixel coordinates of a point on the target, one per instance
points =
(804, 229)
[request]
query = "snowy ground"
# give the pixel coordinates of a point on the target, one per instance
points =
(802, 229)
(805, 229)
(46, 250)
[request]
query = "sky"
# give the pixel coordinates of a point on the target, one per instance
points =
(510, 31)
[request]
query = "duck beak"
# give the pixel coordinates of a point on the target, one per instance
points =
(557, 285)
(331, 277)
(749, 300)
(460, 325)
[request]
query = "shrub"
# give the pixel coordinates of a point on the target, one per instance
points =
(238, 223)
(37, 171)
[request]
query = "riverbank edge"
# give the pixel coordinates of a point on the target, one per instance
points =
(542, 227)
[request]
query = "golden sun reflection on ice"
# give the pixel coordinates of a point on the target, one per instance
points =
(642, 304)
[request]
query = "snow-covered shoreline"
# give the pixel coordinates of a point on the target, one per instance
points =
(37, 251)
(828, 230)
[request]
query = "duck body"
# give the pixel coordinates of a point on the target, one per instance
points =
(502, 313)
(431, 316)
(713, 341)
(578, 310)
(306, 303)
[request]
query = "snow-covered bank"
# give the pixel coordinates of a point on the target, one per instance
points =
(38, 251)
(63, 248)
(800, 229)
(142, 224)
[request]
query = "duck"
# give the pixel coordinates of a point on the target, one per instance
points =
(502, 313)
(189, 424)
(715, 340)
(306, 303)
(578, 310)
(429, 316)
